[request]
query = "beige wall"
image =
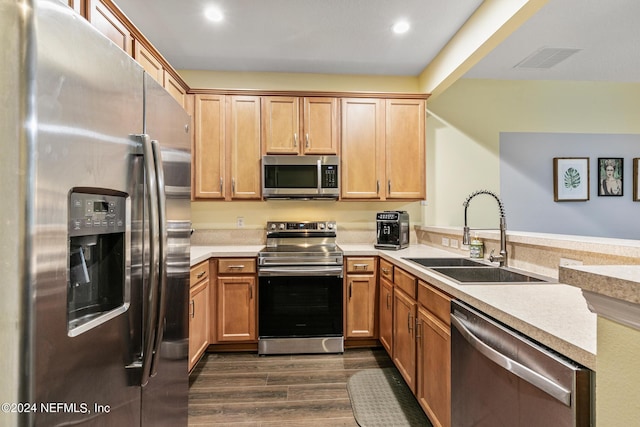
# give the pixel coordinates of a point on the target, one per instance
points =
(298, 81)
(349, 215)
(464, 125)
(618, 374)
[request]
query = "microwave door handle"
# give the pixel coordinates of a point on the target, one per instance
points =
(532, 377)
(319, 163)
(162, 253)
(151, 319)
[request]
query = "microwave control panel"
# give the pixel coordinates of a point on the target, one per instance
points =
(329, 176)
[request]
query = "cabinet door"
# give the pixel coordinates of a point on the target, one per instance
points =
(209, 156)
(320, 126)
(243, 133)
(404, 343)
(236, 317)
(281, 124)
(361, 305)
(174, 88)
(362, 140)
(434, 368)
(385, 310)
(405, 149)
(77, 5)
(198, 321)
(108, 24)
(149, 62)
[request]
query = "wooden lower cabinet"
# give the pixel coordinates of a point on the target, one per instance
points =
(434, 354)
(360, 297)
(198, 312)
(236, 305)
(236, 309)
(434, 368)
(404, 336)
(385, 313)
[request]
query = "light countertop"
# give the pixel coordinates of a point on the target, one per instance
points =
(555, 315)
(203, 253)
(616, 281)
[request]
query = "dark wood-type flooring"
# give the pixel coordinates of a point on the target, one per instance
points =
(247, 390)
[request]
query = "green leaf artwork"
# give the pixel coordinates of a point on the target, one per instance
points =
(571, 178)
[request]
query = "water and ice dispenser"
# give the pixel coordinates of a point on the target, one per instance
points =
(96, 286)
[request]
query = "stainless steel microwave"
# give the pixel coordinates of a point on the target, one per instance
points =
(300, 177)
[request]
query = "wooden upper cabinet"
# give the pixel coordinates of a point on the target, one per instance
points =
(243, 133)
(209, 157)
(174, 88)
(289, 130)
(320, 126)
(281, 124)
(77, 5)
(383, 149)
(110, 25)
(149, 62)
(362, 148)
(405, 149)
(226, 158)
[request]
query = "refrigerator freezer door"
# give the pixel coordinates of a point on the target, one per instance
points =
(165, 395)
(88, 100)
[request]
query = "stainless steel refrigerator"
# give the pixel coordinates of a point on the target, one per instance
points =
(95, 229)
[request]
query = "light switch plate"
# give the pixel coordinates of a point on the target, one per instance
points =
(454, 243)
(445, 241)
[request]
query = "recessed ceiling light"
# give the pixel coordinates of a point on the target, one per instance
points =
(401, 27)
(213, 14)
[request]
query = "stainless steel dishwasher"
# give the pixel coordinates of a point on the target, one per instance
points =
(501, 378)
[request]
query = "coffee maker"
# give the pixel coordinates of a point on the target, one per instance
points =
(392, 230)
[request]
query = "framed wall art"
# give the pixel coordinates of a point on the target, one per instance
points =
(636, 180)
(570, 179)
(610, 176)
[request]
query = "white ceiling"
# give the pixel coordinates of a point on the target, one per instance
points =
(606, 31)
(354, 36)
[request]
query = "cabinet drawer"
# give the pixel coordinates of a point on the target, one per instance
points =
(405, 281)
(361, 265)
(386, 270)
(236, 265)
(435, 301)
(198, 273)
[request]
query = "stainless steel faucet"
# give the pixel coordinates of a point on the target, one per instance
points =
(502, 258)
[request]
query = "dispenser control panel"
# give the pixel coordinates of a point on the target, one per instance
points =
(96, 214)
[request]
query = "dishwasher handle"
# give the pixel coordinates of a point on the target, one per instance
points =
(543, 383)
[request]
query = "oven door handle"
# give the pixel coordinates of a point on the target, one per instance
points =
(532, 377)
(302, 271)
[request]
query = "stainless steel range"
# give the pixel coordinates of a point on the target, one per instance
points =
(300, 290)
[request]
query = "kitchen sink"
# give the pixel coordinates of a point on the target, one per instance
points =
(490, 275)
(447, 262)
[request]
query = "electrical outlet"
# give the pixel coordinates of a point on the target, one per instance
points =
(240, 222)
(454, 243)
(569, 261)
(445, 241)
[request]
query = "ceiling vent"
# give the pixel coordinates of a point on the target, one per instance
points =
(546, 57)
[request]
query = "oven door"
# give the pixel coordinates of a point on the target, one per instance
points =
(298, 306)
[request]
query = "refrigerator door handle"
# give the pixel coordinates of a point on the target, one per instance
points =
(151, 320)
(162, 253)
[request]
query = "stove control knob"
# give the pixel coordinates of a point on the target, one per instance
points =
(321, 226)
(273, 226)
(281, 226)
(330, 226)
